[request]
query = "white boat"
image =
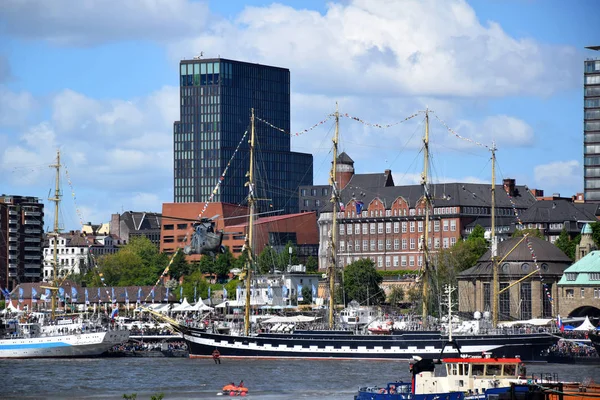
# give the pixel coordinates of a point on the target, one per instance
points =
(37, 335)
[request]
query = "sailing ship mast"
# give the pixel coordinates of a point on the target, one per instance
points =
(250, 237)
(55, 233)
(494, 249)
(424, 244)
(334, 200)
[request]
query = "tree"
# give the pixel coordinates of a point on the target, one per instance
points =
(179, 267)
(284, 256)
(306, 295)
(564, 243)
(396, 295)
(361, 283)
(267, 260)
(223, 264)
(195, 280)
(312, 264)
(596, 233)
(534, 232)
(206, 265)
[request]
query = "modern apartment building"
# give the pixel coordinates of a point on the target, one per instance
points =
(21, 237)
(216, 98)
(591, 133)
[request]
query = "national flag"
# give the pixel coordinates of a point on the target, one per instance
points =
(73, 294)
(20, 295)
(113, 298)
(300, 298)
(359, 207)
(559, 323)
(33, 294)
(115, 312)
(284, 291)
(126, 297)
(167, 295)
(87, 298)
(224, 294)
(342, 207)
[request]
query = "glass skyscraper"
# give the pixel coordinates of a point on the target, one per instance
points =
(216, 96)
(591, 129)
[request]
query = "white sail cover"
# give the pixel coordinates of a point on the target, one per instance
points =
(586, 326)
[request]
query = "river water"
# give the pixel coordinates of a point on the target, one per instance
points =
(183, 378)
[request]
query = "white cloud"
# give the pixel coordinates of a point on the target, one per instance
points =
(91, 22)
(559, 175)
(15, 107)
(390, 48)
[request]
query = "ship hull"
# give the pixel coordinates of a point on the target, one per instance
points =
(340, 346)
(78, 345)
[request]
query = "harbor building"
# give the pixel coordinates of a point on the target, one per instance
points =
(132, 224)
(537, 296)
(216, 98)
(591, 129)
(21, 238)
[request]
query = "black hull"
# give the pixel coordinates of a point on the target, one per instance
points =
(400, 346)
(573, 360)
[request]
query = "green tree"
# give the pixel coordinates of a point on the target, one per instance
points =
(195, 280)
(224, 263)
(312, 264)
(477, 233)
(284, 256)
(564, 243)
(179, 267)
(596, 233)
(306, 295)
(206, 265)
(396, 295)
(361, 283)
(534, 232)
(231, 287)
(267, 260)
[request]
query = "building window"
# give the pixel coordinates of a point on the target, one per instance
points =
(380, 261)
(411, 261)
(169, 227)
(453, 225)
(396, 244)
(419, 261)
(372, 245)
(380, 227)
(436, 226)
(571, 276)
(412, 243)
(324, 192)
(306, 202)
(182, 226)
(342, 230)
(526, 301)
(420, 226)
(318, 203)
(365, 245)
(372, 228)
(570, 293)
(395, 261)
(303, 192)
(404, 225)
(404, 244)
(436, 243)
(504, 301)
(380, 244)
(445, 225)
(396, 227)
(403, 261)
(452, 241)
(388, 261)
(388, 244)
(365, 229)
(596, 293)
(594, 276)
(349, 246)
(388, 227)
(357, 229)
(487, 304)
(446, 243)
(583, 293)
(412, 226)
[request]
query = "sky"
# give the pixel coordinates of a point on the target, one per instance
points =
(98, 79)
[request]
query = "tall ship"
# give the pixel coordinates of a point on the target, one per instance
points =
(38, 335)
(344, 344)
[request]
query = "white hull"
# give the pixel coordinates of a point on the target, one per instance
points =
(76, 345)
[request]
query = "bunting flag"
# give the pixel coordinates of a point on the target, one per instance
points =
(359, 207)
(381, 126)
(284, 291)
(224, 294)
(459, 136)
(33, 294)
(297, 133)
(299, 297)
(126, 297)
(87, 298)
(167, 296)
(180, 294)
(73, 294)
(20, 295)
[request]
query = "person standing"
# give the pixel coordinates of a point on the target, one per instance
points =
(216, 355)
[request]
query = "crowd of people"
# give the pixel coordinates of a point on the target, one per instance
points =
(565, 348)
(131, 347)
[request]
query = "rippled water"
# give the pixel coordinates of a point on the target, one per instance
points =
(182, 378)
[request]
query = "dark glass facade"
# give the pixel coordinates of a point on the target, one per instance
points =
(216, 96)
(591, 129)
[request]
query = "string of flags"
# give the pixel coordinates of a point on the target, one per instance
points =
(459, 136)
(547, 292)
(210, 199)
(381, 126)
(297, 133)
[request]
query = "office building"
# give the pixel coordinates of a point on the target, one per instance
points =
(216, 98)
(21, 238)
(591, 129)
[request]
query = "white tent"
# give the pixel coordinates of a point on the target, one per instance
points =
(254, 301)
(184, 306)
(533, 321)
(200, 306)
(586, 326)
(288, 320)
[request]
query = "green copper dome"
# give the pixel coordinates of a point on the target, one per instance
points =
(587, 229)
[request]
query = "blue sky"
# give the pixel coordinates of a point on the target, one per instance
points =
(98, 79)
